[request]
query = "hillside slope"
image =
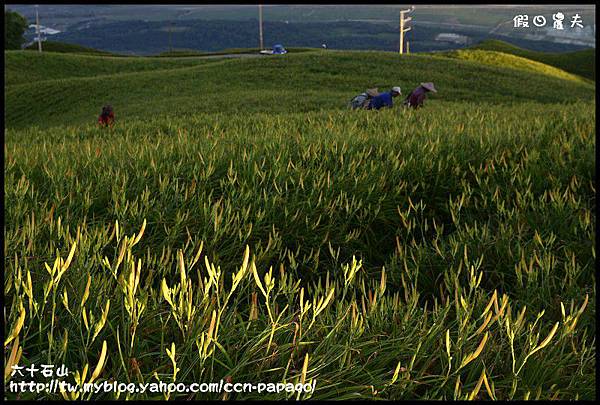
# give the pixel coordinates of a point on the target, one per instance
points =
(310, 81)
(582, 63)
(494, 58)
(62, 47)
(29, 67)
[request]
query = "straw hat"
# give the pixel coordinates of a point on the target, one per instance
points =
(396, 89)
(373, 92)
(429, 86)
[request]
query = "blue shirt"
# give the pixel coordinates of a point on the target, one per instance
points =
(382, 100)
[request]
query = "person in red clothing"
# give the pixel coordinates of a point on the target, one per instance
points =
(107, 118)
(417, 96)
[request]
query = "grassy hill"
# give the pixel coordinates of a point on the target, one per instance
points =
(62, 47)
(70, 89)
(239, 223)
(29, 67)
(581, 63)
(494, 58)
(192, 52)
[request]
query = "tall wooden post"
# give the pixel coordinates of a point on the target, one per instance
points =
(260, 28)
(401, 31)
(39, 35)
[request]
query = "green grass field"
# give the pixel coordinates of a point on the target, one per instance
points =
(581, 63)
(240, 223)
(32, 68)
(61, 47)
(138, 87)
(193, 52)
(494, 58)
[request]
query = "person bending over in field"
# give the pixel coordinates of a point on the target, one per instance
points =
(107, 117)
(362, 101)
(416, 98)
(384, 99)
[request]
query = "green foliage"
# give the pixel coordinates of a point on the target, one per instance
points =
(516, 62)
(308, 81)
(32, 67)
(581, 63)
(192, 52)
(445, 253)
(443, 244)
(14, 27)
(61, 47)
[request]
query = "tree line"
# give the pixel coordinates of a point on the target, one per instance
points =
(14, 28)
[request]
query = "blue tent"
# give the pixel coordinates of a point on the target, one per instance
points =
(278, 49)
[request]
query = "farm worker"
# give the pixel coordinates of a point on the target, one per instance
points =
(417, 96)
(107, 117)
(384, 99)
(363, 99)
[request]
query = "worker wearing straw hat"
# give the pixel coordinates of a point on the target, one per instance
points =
(417, 96)
(384, 99)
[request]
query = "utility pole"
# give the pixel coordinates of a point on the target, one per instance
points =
(402, 29)
(260, 30)
(37, 29)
